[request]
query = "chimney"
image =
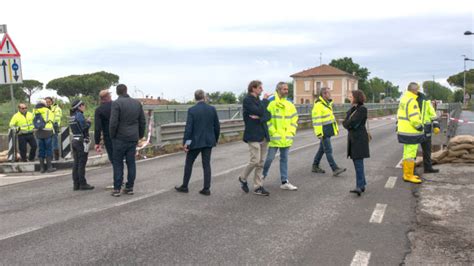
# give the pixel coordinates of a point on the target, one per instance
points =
(151, 97)
(159, 98)
(353, 73)
(146, 97)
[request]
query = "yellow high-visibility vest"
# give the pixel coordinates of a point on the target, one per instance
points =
(409, 126)
(22, 122)
(323, 116)
(57, 113)
(283, 124)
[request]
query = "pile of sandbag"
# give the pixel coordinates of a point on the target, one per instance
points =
(460, 150)
(4, 156)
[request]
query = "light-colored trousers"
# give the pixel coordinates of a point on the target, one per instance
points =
(258, 151)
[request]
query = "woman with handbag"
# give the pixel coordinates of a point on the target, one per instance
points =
(358, 137)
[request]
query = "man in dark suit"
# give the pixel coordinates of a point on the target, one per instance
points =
(200, 135)
(101, 123)
(127, 126)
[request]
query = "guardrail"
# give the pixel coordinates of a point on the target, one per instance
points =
(173, 133)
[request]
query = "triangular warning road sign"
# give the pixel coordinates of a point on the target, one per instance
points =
(7, 47)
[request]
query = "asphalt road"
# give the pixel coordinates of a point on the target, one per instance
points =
(44, 222)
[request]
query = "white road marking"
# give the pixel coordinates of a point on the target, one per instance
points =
(399, 164)
(379, 212)
(85, 212)
(361, 258)
(391, 182)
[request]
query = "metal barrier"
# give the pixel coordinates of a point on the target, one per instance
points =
(11, 145)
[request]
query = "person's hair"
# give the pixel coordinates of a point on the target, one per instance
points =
(412, 86)
(49, 98)
(20, 104)
(280, 85)
(103, 94)
(359, 97)
(121, 89)
(253, 84)
(323, 90)
(199, 95)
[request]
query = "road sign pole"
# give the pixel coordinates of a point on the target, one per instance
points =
(13, 99)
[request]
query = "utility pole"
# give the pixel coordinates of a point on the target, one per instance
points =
(320, 59)
(464, 82)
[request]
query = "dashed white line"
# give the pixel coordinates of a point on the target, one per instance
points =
(361, 258)
(379, 212)
(399, 164)
(391, 182)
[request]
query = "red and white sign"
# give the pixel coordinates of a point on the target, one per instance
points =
(8, 48)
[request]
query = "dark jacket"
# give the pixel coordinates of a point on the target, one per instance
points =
(202, 127)
(101, 121)
(256, 130)
(127, 120)
(79, 125)
(357, 139)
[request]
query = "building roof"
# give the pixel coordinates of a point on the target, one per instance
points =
(323, 70)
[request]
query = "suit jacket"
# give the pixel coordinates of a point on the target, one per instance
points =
(101, 121)
(202, 127)
(127, 120)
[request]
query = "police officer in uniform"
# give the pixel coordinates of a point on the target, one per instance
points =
(23, 123)
(80, 144)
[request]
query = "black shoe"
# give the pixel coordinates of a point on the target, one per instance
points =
(86, 187)
(128, 191)
(205, 192)
(431, 171)
(362, 189)
(42, 166)
(338, 171)
(75, 188)
(318, 170)
(261, 192)
(357, 191)
(115, 193)
(49, 165)
(244, 186)
(182, 189)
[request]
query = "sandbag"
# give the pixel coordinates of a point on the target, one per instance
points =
(436, 156)
(446, 160)
(462, 161)
(457, 153)
(4, 153)
(464, 146)
(468, 156)
(461, 139)
(471, 151)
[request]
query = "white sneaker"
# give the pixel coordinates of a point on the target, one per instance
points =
(288, 186)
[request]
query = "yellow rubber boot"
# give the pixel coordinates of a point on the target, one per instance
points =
(408, 170)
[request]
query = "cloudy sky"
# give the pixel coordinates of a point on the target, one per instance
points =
(171, 48)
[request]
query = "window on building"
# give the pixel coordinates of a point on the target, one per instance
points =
(302, 101)
(330, 84)
(307, 85)
(307, 101)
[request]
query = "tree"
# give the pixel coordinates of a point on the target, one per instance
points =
(377, 86)
(290, 90)
(214, 97)
(346, 64)
(82, 85)
(18, 93)
(30, 87)
(242, 96)
(457, 80)
(227, 97)
(457, 96)
(436, 91)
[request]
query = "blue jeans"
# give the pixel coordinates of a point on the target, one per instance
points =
(45, 147)
(55, 144)
(360, 175)
(124, 149)
(283, 162)
(325, 148)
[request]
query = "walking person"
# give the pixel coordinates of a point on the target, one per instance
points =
(430, 126)
(325, 126)
(22, 122)
(358, 137)
(79, 126)
(200, 136)
(256, 135)
(282, 129)
(58, 113)
(43, 123)
(127, 126)
(410, 131)
(102, 123)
